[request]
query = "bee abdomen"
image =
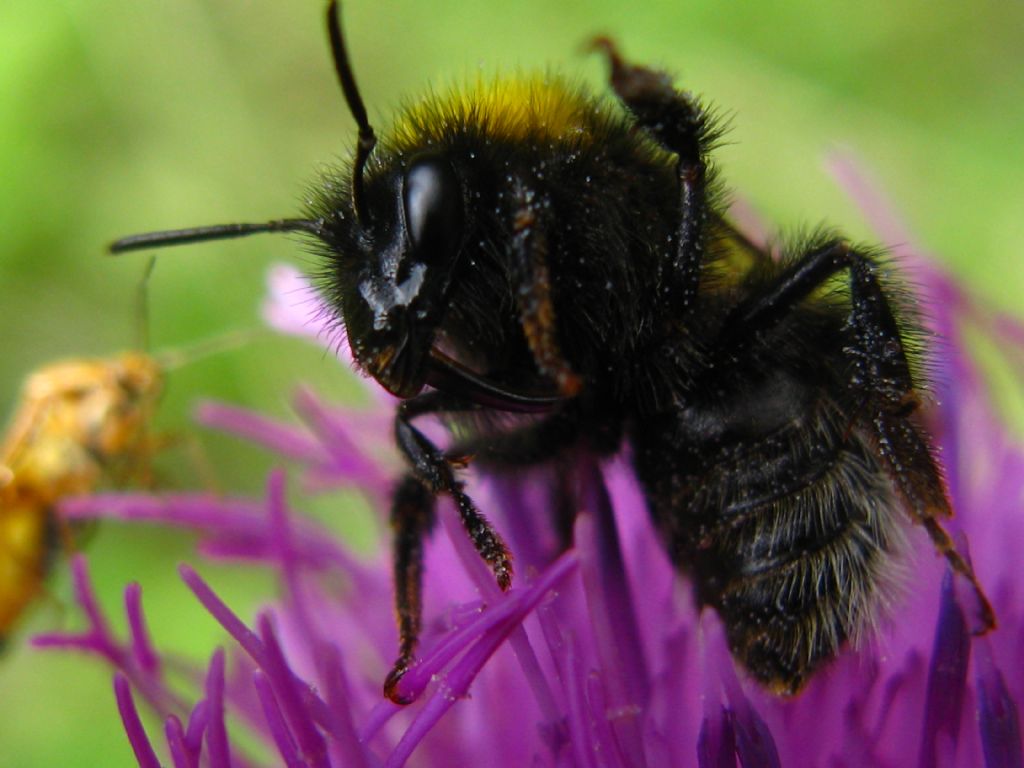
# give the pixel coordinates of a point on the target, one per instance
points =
(796, 573)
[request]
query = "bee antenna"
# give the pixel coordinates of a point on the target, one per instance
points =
(367, 139)
(215, 232)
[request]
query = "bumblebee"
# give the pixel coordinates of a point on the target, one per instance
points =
(80, 423)
(522, 246)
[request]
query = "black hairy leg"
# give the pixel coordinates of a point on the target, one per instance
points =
(880, 375)
(533, 290)
(412, 517)
(431, 473)
(524, 446)
(547, 440)
(681, 125)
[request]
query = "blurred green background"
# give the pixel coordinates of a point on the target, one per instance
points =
(119, 116)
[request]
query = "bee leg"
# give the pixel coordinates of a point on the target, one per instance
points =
(542, 441)
(431, 473)
(879, 368)
(524, 447)
(533, 279)
(434, 470)
(678, 122)
(412, 517)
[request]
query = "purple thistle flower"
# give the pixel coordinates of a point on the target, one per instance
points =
(597, 656)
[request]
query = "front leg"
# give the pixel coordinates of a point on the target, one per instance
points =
(412, 517)
(436, 472)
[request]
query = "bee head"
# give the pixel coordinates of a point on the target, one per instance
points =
(390, 243)
(391, 257)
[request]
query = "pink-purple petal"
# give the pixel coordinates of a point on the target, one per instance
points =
(284, 439)
(519, 641)
(291, 696)
(341, 433)
(755, 744)
(716, 744)
(198, 720)
(453, 685)
(294, 307)
(286, 746)
(607, 726)
(615, 630)
(142, 648)
(574, 675)
(86, 598)
(345, 747)
(947, 679)
(140, 744)
(243, 635)
(289, 561)
(224, 616)
(218, 748)
(998, 715)
(181, 756)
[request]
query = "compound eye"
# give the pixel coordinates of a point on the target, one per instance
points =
(433, 208)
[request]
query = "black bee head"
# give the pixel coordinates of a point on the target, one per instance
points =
(390, 235)
(390, 266)
(390, 241)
